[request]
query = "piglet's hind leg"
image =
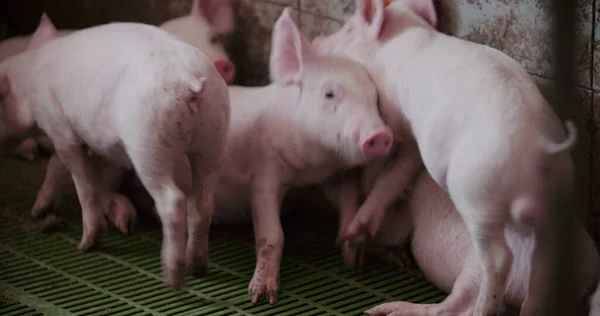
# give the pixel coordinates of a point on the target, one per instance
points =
(154, 166)
(200, 209)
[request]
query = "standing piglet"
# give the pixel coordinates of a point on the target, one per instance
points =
(207, 20)
(137, 97)
(486, 135)
(443, 250)
(319, 117)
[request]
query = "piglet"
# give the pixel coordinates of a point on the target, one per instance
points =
(486, 136)
(137, 97)
(207, 20)
(443, 250)
(318, 117)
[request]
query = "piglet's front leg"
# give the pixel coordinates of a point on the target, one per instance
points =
(266, 201)
(403, 167)
(89, 191)
(348, 196)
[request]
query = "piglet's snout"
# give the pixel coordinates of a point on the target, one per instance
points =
(377, 145)
(226, 69)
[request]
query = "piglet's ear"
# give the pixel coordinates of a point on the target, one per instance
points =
(425, 9)
(44, 33)
(219, 13)
(371, 13)
(290, 50)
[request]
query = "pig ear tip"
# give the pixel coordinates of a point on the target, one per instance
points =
(287, 11)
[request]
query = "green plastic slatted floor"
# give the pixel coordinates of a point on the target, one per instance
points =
(42, 273)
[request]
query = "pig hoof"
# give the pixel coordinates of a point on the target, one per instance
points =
(393, 308)
(349, 254)
(359, 239)
(38, 212)
(123, 215)
(41, 207)
(88, 244)
(91, 237)
(29, 156)
(28, 150)
(174, 278)
(353, 256)
(197, 266)
(263, 287)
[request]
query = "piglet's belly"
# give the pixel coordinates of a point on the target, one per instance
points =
(232, 204)
(441, 254)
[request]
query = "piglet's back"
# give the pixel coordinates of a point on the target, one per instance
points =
(103, 58)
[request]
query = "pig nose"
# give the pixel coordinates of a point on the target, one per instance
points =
(226, 69)
(378, 145)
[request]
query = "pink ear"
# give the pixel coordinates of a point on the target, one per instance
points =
(219, 14)
(290, 50)
(371, 13)
(44, 33)
(425, 9)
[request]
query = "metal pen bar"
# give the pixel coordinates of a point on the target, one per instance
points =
(561, 297)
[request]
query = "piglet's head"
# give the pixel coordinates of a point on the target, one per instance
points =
(16, 120)
(207, 20)
(337, 104)
(372, 21)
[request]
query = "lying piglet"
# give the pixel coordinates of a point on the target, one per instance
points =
(443, 250)
(207, 20)
(487, 136)
(138, 97)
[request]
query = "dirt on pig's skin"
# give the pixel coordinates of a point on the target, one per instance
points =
(265, 250)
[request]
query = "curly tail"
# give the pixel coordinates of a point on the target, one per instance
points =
(552, 148)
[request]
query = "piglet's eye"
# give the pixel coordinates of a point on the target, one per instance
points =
(214, 40)
(329, 95)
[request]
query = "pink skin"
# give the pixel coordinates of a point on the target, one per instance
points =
(188, 115)
(207, 20)
(406, 56)
(282, 137)
(309, 124)
(444, 252)
(118, 209)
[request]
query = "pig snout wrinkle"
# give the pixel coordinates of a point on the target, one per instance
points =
(552, 148)
(226, 69)
(378, 145)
